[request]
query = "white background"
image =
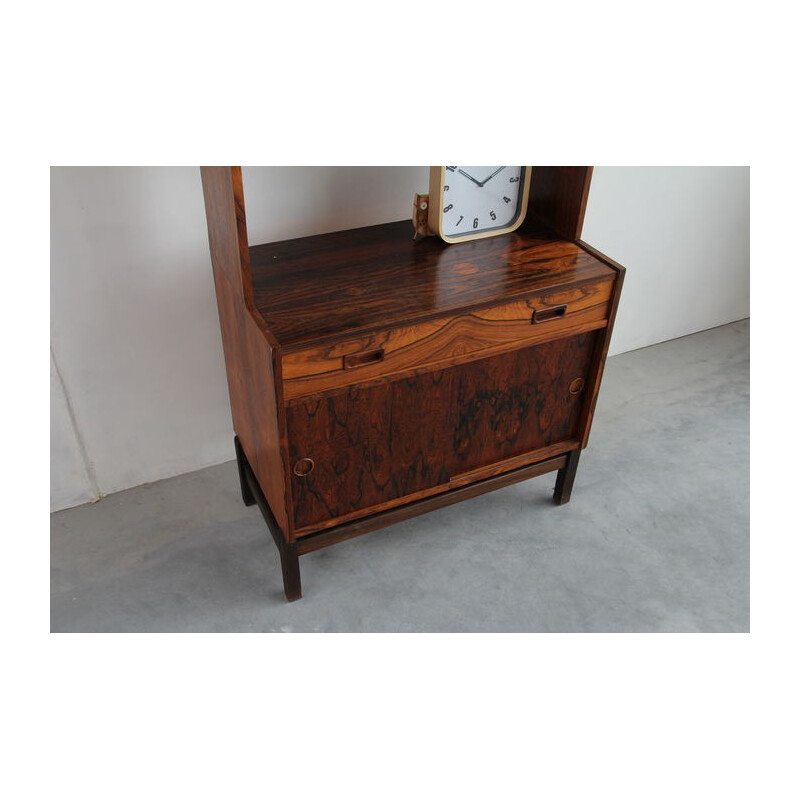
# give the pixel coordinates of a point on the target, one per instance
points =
(692, 716)
(138, 389)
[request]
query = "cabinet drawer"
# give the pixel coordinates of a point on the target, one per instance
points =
(447, 340)
(363, 449)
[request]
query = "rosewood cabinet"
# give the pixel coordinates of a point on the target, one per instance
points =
(373, 377)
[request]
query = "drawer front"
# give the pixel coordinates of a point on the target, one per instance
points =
(364, 449)
(446, 341)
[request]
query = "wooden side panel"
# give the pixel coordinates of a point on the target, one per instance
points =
(251, 359)
(603, 342)
(374, 447)
(558, 198)
(223, 228)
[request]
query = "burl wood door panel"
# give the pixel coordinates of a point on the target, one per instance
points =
(365, 447)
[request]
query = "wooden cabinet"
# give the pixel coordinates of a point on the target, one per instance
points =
(373, 377)
(374, 446)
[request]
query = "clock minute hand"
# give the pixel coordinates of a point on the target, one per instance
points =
(467, 175)
(499, 169)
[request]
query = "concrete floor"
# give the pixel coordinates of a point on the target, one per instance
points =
(656, 537)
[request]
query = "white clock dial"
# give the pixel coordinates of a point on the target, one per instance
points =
(478, 199)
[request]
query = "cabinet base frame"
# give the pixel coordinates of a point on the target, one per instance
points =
(289, 552)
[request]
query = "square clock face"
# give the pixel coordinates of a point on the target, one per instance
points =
(475, 202)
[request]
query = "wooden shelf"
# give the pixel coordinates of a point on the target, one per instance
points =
(373, 377)
(318, 288)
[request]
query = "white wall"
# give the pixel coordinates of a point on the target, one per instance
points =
(134, 328)
(684, 235)
(70, 482)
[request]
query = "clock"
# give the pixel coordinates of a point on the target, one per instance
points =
(468, 203)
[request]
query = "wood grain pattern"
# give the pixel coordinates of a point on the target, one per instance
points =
(445, 341)
(450, 391)
(375, 446)
(349, 530)
(558, 199)
(324, 288)
(251, 358)
(496, 469)
(603, 343)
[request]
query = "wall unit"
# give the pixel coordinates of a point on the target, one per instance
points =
(373, 377)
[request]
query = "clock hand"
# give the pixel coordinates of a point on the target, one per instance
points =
(467, 175)
(499, 169)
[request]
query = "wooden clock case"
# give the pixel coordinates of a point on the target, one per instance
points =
(373, 377)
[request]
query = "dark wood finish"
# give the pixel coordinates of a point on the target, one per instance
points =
(341, 533)
(566, 479)
(251, 352)
(325, 288)
(373, 446)
(447, 341)
(290, 568)
(241, 460)
(603, 342)
(289, 554)
(558, 199)
(373, 378)
(467, 478)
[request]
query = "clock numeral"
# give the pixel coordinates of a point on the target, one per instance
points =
(446, 188)
(513, 180)
(475, 223)
(450, 169)
(507, 199)
(459, 220)
(447, 208)
(492, 215)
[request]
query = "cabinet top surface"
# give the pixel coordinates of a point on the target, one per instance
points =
(337, 284)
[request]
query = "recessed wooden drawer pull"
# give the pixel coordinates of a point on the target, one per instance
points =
(362, 359)
(576, 387)
(303, 466)
(544, 314)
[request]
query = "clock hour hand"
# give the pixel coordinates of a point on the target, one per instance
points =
(499, 169)
(467, 175)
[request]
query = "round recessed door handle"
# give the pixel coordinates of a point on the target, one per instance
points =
(576, 387)
(303, 467)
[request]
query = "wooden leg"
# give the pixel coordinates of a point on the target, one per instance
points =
(252, 494)
(247, 494)
(565, 478)
(290, 566)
